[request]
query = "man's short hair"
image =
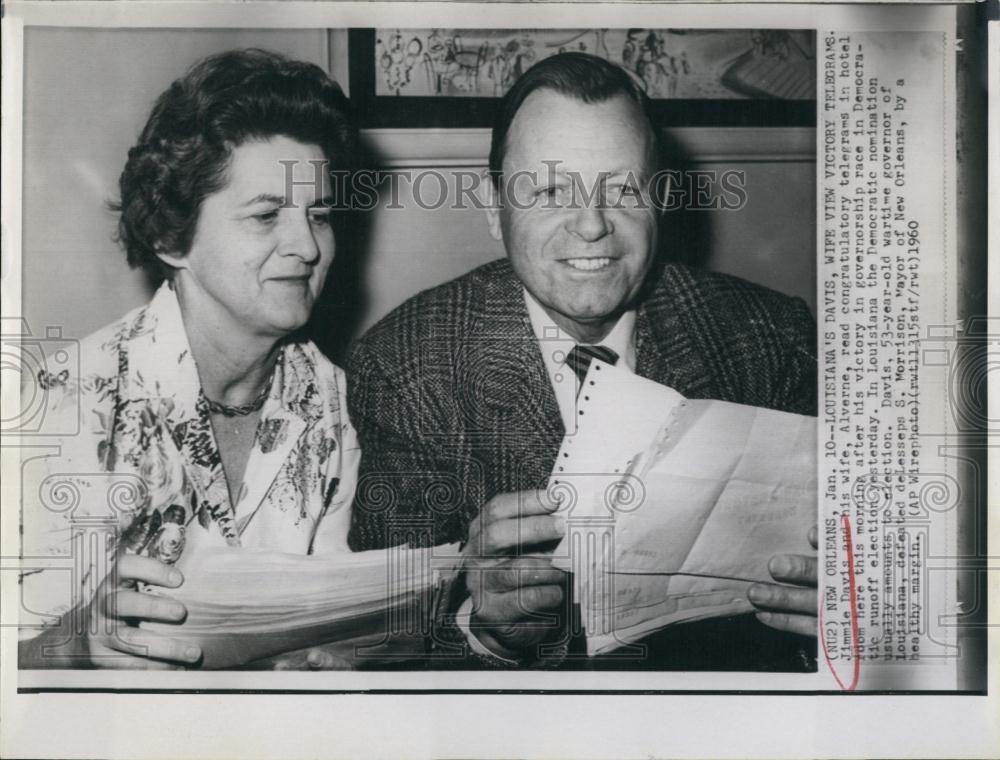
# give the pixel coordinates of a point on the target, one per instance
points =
(581, 76)
(183, 153)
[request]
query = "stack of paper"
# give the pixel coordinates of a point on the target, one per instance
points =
(246, 604)
(673, 507)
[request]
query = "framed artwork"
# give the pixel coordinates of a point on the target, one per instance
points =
(420, 78)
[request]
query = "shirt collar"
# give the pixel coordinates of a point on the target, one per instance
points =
(161, 365)
(621, 339)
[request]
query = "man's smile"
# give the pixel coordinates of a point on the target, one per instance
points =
(589, 264)
(291, 278)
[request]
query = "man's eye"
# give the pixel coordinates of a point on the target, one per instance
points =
(624, 191)
(624, 195)
(553, 196)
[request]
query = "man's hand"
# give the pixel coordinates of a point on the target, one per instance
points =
(790, 606)
(328, 657)
(509, 588)
(112, 638)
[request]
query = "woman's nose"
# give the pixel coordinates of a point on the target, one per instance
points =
(300, 239)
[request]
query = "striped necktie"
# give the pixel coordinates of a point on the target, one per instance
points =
(580, 357)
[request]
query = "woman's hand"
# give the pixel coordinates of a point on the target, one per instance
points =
(111, 636)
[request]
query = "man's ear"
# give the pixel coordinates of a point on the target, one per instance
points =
(662, 203)
(489, 198)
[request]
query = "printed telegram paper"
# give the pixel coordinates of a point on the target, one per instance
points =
(674, 506)
(247, 604)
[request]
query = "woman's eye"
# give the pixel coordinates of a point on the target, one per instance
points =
(267, 217)
(320, 218)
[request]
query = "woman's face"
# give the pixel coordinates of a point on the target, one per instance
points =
(263, 244)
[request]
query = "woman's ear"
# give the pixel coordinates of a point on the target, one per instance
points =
(175, 260)
(489, 198)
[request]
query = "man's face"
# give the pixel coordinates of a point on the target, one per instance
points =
(576, 218)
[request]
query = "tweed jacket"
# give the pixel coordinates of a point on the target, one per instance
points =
(453, 404)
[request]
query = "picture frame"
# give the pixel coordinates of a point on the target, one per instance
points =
(376, 110)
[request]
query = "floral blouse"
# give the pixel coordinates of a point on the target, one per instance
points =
(144, 475)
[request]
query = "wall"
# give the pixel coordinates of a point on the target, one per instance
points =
(84, 108)
(87, 94)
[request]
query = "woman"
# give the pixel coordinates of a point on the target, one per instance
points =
(229, 428)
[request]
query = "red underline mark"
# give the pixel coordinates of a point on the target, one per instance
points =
(845, 523)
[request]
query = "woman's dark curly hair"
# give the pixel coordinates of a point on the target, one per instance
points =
(183, 153)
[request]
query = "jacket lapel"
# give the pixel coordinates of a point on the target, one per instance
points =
(523, 419)
(665, 348)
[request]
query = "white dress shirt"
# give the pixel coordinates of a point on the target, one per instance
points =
(555, 345)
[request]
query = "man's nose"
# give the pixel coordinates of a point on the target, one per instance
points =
(591, 222)
(299, 239)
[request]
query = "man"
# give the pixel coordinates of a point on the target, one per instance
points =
(461, 403)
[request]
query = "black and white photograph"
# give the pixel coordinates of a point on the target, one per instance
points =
(446, 355)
